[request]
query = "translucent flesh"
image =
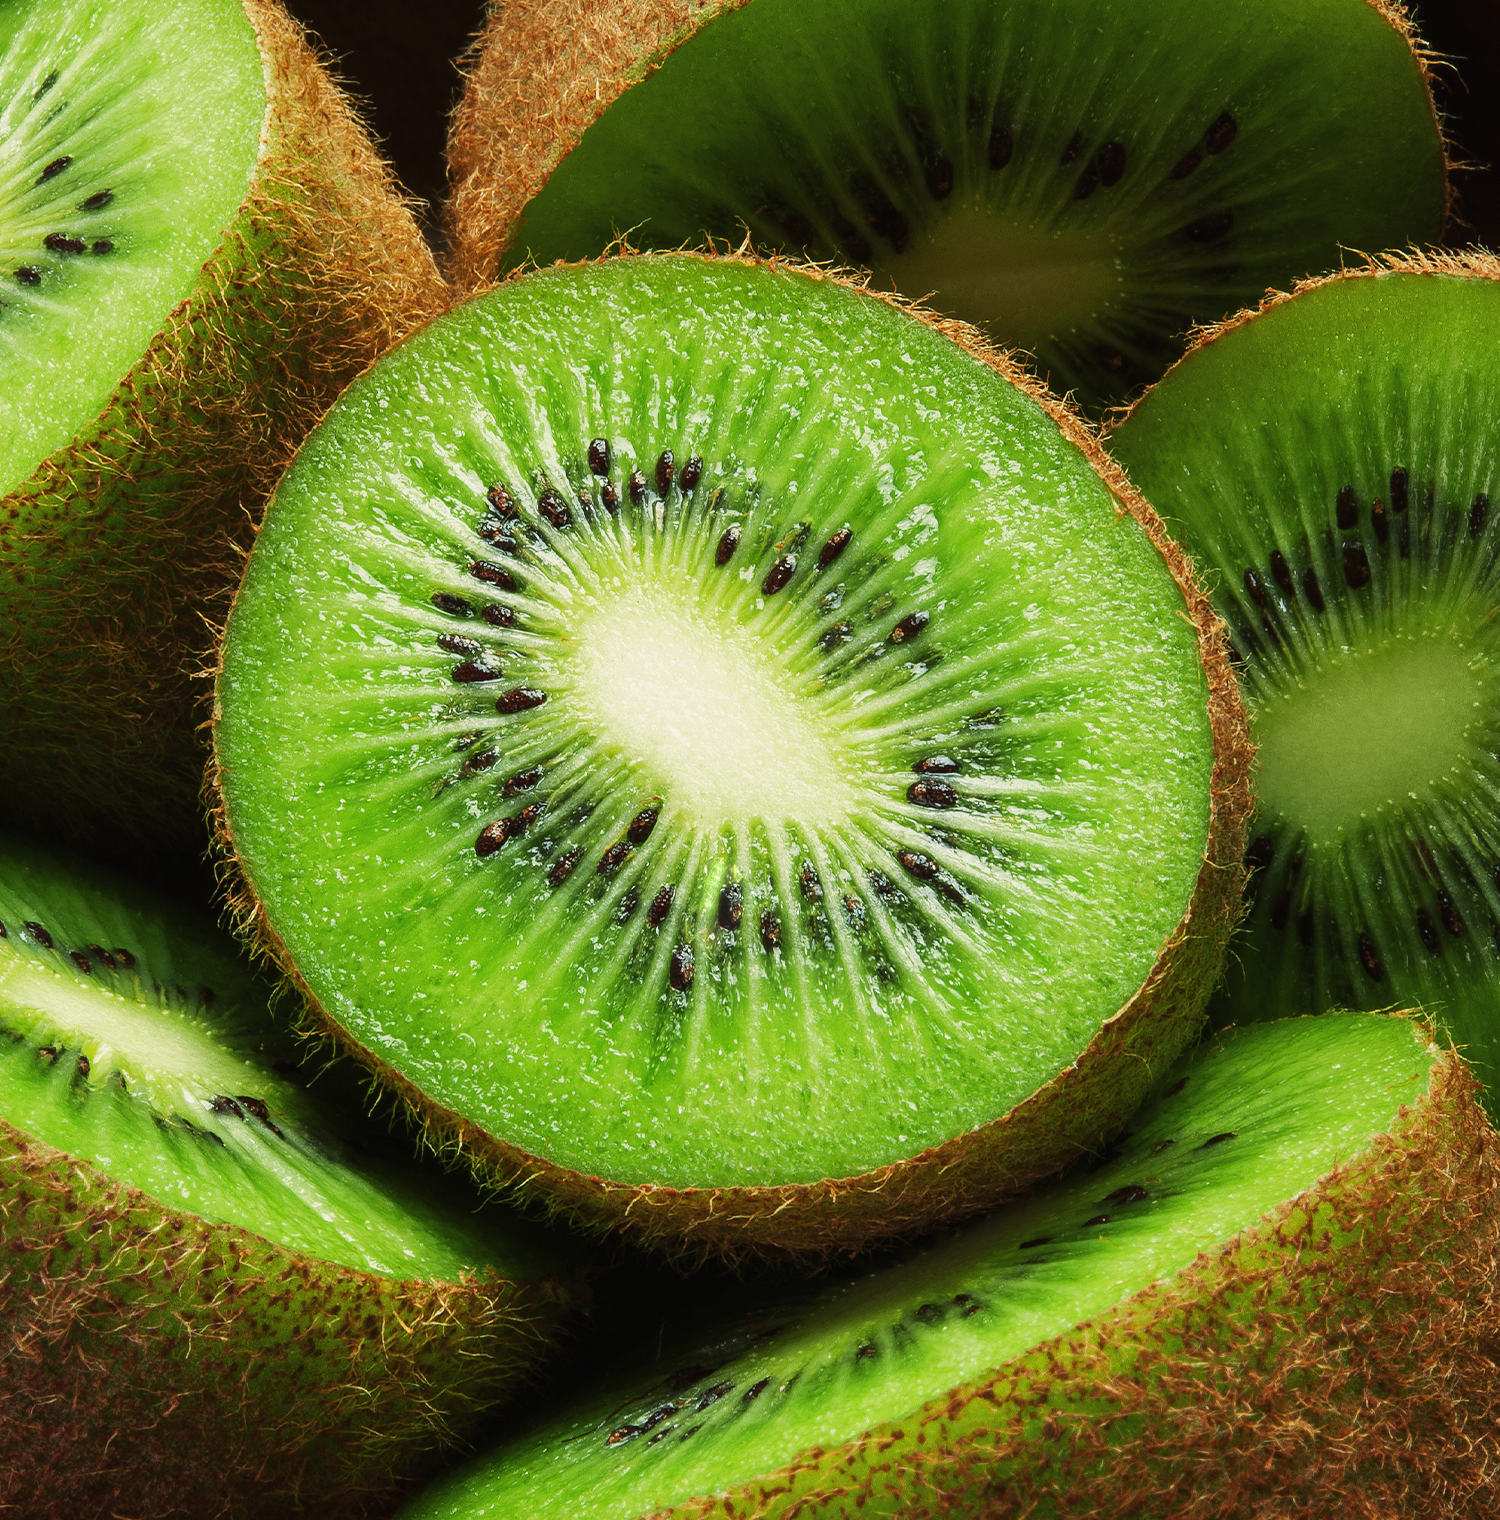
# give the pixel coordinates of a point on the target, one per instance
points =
(138, 1042)
(1263, 1115)
(930, 965)
(154, 112)
(1379, 716)
(933, 141)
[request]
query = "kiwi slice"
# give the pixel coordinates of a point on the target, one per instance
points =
(1331, 460)
(1083, 179)
(221, 1281)
(200, 249)
(704, 735)
(1185, 1329)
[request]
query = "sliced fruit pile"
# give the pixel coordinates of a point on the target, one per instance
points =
(725, 754)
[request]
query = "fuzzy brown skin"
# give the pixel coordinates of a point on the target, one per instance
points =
(1339, 1361)
(119, 547)
(1074, 1115)
(543, 71)
(153, 1365)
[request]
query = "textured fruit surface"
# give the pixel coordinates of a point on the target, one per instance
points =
(705, 728)
(1196, 155)
(1333, 460)
(1144, 1338)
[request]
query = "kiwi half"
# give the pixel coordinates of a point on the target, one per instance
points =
(200, 249)
(1273, 1297)
(1331, 459)
(224, 1290)
(721, 748)
(1083, 179)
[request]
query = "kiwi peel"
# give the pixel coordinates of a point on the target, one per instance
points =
(225, 1290)
(1330, 458)
(1275, 1295)
(150, 505)
(559, 876)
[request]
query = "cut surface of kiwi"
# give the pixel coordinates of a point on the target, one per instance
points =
(215, 1264)
(1099, 1348)
(1331, 461)
(1084, 179)
(198, 248)
(704, 729)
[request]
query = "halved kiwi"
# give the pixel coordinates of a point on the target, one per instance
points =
(1084, 179)
(1273, 1297)
(1331, 459)
(728, 755)
(224, 1289)
(199, 249)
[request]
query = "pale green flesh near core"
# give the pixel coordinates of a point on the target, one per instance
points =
(1378, 839)
(735, 1399)
(726, 771)
(157, 109)
(136, 1041)
(931, 141)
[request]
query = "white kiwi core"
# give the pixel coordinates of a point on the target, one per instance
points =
(676, 691)
(1371, 728)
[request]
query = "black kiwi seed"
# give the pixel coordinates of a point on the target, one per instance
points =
(1131, 1193)
(28, 275)
(1175, 1088)
(727, 545)
(1452, 922)
(837, 543)
(84, 1066)
(1346, 508)
(937, 765)
(610, 496)
(456, 643)
(44, 86)
(692, 473)
(642, 824)
(38, 933)
(661, 905)
(454, 605)
(554, 509)
(5, 933)
(520, 699)
(483, 761)
(492, 574)
(665, 467)
(1187, 163)
(1073, 148)
(599, 456)
(1370, 960)
(1030, 1245)
(938, 171)
(1002, 145)
(124, 956)
(564, 866)
(498, 616)
(80, 960)
(1228, 1134)
(731, 905)
(492, 837)
(909, 627)
(103, 246)
(931, 794)
(1254, 587)
(840, 633)
(1221, 133)
(779, 574)
(97, 201)
(1356, 566)
(1400, 489)
(854, 913)
(1210, 228)
(523, 781)
(1111, 163)
(1096, 1220)
(811, 884)
(630, 900)
(614, 857)
(1312, 590)
(1427, 933)
(1379, 521)
(501, 502)
(468, 671)
(770, 930)
(55, 168)
(1281, 572)
(60, 242)
(637, 486)
(1478, 515)
(681, 974)
(923, 867)
(1112, 359)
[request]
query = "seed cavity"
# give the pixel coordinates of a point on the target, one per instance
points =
(1221, 133)
(1312, 590)
(1210, 228)
(1087, 183)
(1187, 163)
(455, 606)
(811, 884)
(520, 699)
(854, 913)
(1256, 590)
(938, 172)
(1110, 161)
(1370, 960)
(1281, 573)
(681, 973)
(731, 905)
(28, 274)
(840, 633)
(1379, 521)
(103, 246)
(1400, 489)
(1072, 150)
(1478, 515)
(770, 931)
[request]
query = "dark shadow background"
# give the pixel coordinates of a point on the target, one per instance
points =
(401, 61)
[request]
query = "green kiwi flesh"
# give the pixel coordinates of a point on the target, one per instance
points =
(198, 249)
(676, 706)
(1084, 179)
(1077, 1350)
(1332, 460)
(215, 1264)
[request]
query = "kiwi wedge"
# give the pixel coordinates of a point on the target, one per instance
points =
(1331, 460)
(727, 755)
(223, 1286)
(201, 249)
(1273, 1294)
(1083, 179)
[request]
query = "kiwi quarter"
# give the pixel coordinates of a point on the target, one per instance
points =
(224, 1290)
(728, 755)
(1084, 179)
(1331, 460)
(200, 249)
(1271, 1298)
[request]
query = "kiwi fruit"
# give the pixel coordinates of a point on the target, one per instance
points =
(203, 249)
(225, 1290)
(1271, 1297)
(1084, 179)
(731, 757)
(1331, 460)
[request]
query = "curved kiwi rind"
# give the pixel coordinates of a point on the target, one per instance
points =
(1083, 180)
(1185, 1329)
(128, 528)
(663, 963)
(224, 1288)
(1331, 460)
